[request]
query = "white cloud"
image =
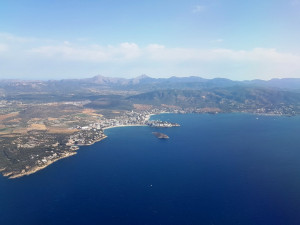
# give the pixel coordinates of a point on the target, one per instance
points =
(7, 37)
(187, 54)
(92, 53)
(198, 8)
(153, 47)
(3, 47)
(219, 40)
(128, 50)
(39, 55)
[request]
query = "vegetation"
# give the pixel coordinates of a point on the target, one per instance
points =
(37, 118)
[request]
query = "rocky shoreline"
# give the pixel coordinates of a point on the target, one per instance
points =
(73, 147)
(32, 170)
(37, 168)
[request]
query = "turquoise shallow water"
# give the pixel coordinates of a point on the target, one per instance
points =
(214, 169)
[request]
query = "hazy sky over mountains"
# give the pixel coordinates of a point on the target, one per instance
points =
(214, 38)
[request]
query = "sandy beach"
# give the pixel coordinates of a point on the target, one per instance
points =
(136, 125)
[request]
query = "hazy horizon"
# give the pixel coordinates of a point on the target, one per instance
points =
(130, 77)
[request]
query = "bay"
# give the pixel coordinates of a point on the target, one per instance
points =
(214, 169)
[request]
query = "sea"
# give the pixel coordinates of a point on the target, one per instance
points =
(223, 169)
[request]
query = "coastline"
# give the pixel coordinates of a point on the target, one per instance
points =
(132, 125)
(147, 118)
(66, 155)
(93, 142)
(37, 168)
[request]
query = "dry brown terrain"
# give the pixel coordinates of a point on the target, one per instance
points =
(4, 117)
(142, 107)
(37, 126)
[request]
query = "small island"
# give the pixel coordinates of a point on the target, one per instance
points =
(160, 135)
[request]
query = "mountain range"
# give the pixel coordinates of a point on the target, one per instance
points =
(279, 96)
(142, 83)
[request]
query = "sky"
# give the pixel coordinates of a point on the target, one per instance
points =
(60, 39)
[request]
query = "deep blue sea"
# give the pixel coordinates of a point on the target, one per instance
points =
(221, 169)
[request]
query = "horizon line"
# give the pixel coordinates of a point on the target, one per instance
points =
(141, 76)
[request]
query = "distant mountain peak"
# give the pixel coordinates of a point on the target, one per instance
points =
(144, 82)
(143, 76)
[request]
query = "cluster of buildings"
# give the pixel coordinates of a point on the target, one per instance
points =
(95, 131)
(158, 123)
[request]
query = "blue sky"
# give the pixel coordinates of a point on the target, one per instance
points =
(235, 39)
